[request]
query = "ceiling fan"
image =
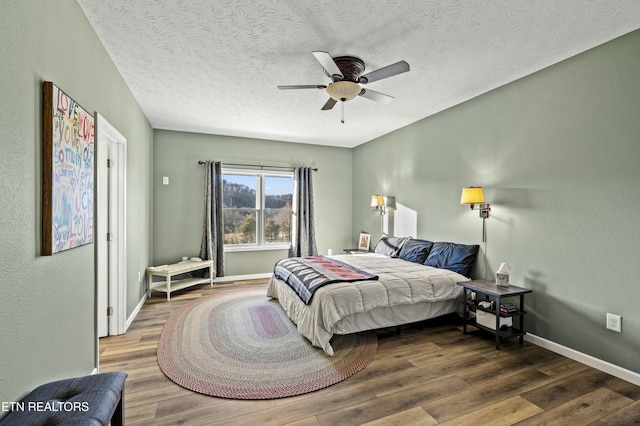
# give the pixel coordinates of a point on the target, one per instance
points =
(346, 79)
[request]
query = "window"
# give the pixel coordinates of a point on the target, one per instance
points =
(256, 209)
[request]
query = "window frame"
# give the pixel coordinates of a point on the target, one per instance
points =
(261, 244)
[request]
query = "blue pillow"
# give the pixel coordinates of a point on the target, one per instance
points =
(454, 257)
(414, 250)
(390, 246)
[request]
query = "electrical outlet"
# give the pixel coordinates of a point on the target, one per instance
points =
(614, 322)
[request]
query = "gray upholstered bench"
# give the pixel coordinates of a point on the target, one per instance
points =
(88, 400)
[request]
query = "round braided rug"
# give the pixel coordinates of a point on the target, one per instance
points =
(240, 344)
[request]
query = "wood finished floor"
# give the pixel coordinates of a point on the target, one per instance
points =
(434, 375)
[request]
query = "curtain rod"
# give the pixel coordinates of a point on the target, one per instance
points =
(258, 166)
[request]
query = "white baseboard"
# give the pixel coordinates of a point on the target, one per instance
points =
(598, 364)
(241, 277)
(135, 312)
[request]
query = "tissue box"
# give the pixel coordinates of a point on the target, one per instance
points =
(502, 280)
(488, 320)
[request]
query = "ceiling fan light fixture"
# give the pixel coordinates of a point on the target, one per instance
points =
(343, 90)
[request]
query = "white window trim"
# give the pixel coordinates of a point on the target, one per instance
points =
(247, 247)
(260, 245)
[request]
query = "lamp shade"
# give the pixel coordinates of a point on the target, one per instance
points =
(343, 90)
(472, 195)
(377, 201)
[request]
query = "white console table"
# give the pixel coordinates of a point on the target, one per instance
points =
(168, 271)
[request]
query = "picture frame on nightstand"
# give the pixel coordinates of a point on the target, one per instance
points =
(364, 241)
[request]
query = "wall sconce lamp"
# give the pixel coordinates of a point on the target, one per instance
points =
(473, 195)
(378, 204)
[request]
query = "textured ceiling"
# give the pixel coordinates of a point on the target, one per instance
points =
(214, 66)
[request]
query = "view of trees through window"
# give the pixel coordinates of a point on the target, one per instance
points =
(249, 220)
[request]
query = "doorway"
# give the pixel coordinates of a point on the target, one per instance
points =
(110, 233)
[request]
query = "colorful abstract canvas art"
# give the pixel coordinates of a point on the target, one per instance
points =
(68, 172)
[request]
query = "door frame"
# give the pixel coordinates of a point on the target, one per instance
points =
(116, 286)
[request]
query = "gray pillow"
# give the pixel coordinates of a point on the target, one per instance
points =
(390, 246)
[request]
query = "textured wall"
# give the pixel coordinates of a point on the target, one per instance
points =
(178, 206)
(47, 327)
(557, 153)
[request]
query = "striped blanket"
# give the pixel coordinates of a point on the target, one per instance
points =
(305, 275)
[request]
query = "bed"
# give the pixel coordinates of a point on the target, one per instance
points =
(407, 289)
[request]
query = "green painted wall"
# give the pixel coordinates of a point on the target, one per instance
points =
(178, 207)
(47, 303)
(558, 155)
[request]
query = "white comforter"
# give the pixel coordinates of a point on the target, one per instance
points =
(399, 283)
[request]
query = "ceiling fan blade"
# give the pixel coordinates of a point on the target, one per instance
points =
(328, 63)
(376, 96)
(329, 105)
(388, 71)
(303, 86)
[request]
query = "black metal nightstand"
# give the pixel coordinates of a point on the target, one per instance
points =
(494, 295)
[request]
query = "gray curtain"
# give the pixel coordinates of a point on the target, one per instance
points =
(212, 233)
(304, 243)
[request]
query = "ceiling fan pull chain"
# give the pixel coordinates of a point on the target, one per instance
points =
(342, 112)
